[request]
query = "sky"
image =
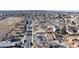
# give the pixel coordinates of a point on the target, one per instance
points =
(39, 5)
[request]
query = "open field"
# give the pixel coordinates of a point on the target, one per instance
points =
(8, 25)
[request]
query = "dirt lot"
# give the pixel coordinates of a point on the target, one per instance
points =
(8, 25)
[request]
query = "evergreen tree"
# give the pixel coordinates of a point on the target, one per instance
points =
(63, 31)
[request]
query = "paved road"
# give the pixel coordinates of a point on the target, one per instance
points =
(29, 40)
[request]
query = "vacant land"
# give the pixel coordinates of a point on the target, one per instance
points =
(8, 25)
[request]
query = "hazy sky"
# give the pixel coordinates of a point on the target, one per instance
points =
(39, 5)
